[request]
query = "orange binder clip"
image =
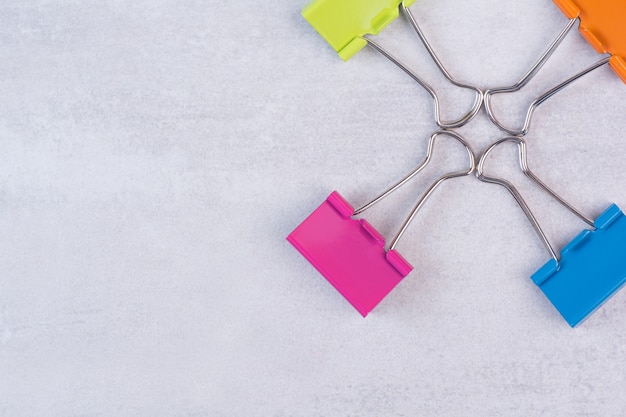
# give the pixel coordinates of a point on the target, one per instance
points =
(602, 23)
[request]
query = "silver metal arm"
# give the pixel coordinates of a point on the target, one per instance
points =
(430, 189)
(523, 161)
(526, 79)
(478, 100)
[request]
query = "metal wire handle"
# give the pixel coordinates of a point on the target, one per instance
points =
(433, 186)
(528, 76)
(523, 161)
(478, 100)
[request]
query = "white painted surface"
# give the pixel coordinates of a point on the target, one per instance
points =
(155, 154)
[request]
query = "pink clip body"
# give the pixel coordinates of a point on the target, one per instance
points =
(349, 253)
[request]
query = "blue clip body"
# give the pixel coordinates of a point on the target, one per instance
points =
(591, 270)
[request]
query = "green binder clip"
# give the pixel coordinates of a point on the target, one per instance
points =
(344, 23)
(348, 24)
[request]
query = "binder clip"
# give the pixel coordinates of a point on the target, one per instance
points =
(347, 24)
(601, 23)
(350, 253)
(590, 268)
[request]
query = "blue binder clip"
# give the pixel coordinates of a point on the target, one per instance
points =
(591, 268)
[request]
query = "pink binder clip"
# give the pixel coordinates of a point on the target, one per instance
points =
(350, 253)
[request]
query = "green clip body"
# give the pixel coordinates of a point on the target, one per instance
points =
(343, 23)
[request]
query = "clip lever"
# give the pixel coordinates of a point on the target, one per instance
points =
(601, 23)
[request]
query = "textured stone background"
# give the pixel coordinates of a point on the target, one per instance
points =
(155, 154)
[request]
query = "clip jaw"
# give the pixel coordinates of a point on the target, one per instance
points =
(349, 253)
(592, 268)
(344, 23)
(602, 25)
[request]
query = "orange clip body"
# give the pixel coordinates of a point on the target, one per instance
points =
(603, 25)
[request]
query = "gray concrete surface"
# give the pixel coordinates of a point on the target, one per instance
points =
(155, 154)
